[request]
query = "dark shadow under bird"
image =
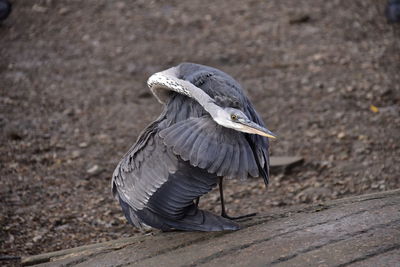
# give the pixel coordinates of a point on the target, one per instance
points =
(208, 130)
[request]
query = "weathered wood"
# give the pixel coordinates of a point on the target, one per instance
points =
(358, 230)
(80, 251)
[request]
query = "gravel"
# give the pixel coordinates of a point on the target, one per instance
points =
(73, 100)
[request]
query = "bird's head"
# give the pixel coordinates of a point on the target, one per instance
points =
(235, 119)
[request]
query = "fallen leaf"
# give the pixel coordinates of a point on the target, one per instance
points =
(374, 108)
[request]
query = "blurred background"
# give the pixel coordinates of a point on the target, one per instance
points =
(324, 75)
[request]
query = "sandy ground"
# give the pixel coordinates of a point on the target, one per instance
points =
(73, 100)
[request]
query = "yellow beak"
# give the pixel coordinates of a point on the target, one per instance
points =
(253, 128)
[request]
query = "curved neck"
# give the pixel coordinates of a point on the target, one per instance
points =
(162, 82)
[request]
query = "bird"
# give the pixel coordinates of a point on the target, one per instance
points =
(208, 131)
(392, 11)
(5, 9)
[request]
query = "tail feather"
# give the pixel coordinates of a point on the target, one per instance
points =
(200, 220)
(194, 220)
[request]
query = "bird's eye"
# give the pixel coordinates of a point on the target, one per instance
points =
(234, 117)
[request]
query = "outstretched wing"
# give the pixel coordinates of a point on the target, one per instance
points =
(221, 86)
(144, 169)
(210, 146)
(151, 178)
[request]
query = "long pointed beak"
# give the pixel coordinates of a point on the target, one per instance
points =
(254, 128)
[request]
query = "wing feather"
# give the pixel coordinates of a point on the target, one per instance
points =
(194, 160)
(137, 178)
(223, 170)
(210, 146)
(243, 162)
(218, 159)
(177, 194)
(202, 153)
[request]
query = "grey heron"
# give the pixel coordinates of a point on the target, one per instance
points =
(208, 130)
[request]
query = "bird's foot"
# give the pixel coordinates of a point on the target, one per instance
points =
(238, 217)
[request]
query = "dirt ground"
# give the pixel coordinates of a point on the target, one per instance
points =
(73, 100)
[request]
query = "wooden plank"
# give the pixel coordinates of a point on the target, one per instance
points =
(298, 235)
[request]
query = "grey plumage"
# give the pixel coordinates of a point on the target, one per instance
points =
(183, 154)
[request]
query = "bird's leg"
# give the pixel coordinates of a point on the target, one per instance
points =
(197, 201)
(223, 211)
